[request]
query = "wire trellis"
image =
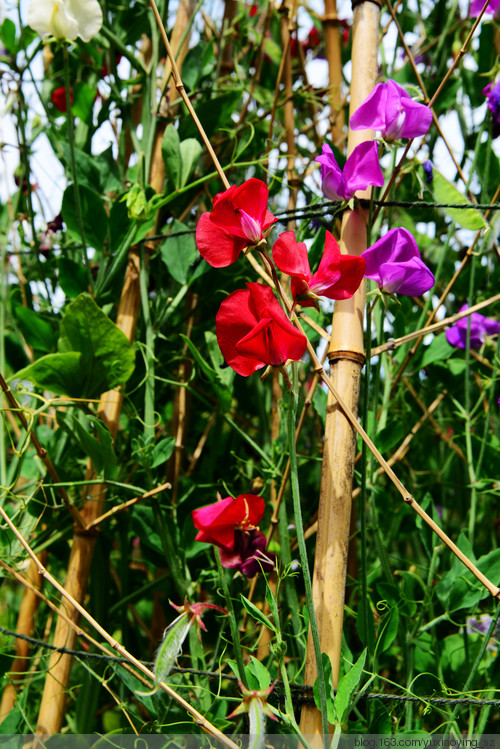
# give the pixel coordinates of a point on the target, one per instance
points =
(301, 694)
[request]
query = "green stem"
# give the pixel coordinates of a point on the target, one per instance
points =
(297, 511)
(468, 418)
(149, 353)
(232, 621)
(74, 174)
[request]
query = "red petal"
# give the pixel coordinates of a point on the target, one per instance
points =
(217, 522)
(219, 248)
(290, 256)
(235, 318)
(352, 270)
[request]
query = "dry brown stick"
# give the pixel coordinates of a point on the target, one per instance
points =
(395, 457)
(40, 451)
(126, 505)
(346, 353)
(200, 720)
(180, 88)
(456, 449)
(391, 345)
(24, 626)
(330, 21)
(201, 444)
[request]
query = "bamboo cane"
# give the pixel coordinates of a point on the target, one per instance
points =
(52, 706)
(346, 354)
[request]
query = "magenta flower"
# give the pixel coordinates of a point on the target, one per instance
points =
(476, 7)
(480, 327)
(492, 93)
(390, 109)
(337, 277)
(394, 262)
(231, 525)
(361, 169)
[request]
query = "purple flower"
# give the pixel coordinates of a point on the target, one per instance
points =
(492, 93)
(394, 262)
(476, 7)
(361, 169)
(429, 171)
(480, 625)
(480, 327)
(390, 109)
(249, 554)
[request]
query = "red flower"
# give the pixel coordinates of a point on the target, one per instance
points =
(58, 98)
(337, 277)
(253, 331)
(238, 220)
(217, 523)
(231, 524)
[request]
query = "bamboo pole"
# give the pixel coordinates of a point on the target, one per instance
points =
(53, 702)
(346, 354)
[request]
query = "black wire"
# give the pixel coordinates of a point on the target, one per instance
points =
(302, 694)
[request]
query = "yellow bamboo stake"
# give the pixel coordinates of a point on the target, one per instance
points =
(346, 354)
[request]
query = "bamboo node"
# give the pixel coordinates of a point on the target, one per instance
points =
(331, 18)
(359, 2)
(409, 500)
(356, 356)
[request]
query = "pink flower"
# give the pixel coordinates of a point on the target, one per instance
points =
(476, 7)
(254, 332)
(394, 262)
(337, 277)
(238, 220)
(361, 169)
(217, 522)
(480, 328)
(390, 109)
(231, 525)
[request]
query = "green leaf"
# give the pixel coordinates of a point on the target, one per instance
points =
(162, 452)
(8, 37)
(72, 277)
(100, 450)
(37, 332)
(190, 152)
(256, 613)
(88, 173)
(347, 686)
(330, 694)
(390, 435)
(94, 355)
(95, 220)
(460, 589)
(260, 672)
(179, 253)
(445, 192)
(223, 393)
(439, 350)
(171, 152)
(171, 645)
(83, 100)
(388, 630)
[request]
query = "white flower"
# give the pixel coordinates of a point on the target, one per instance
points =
(65, 19)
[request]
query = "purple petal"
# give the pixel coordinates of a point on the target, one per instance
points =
(332, 180)
(371, 113)
(410, 278)
(397, 245)
(417, 121)
(362, 168)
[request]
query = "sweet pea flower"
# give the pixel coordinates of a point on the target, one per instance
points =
(390, 109)
(337, 277)
(394, 262)
(361, 169)
(480, 327)
(231, 525)
(238, 220)
(492, 93)
(65, 19)
(254, 332)
(476, 7)
(217, 522)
